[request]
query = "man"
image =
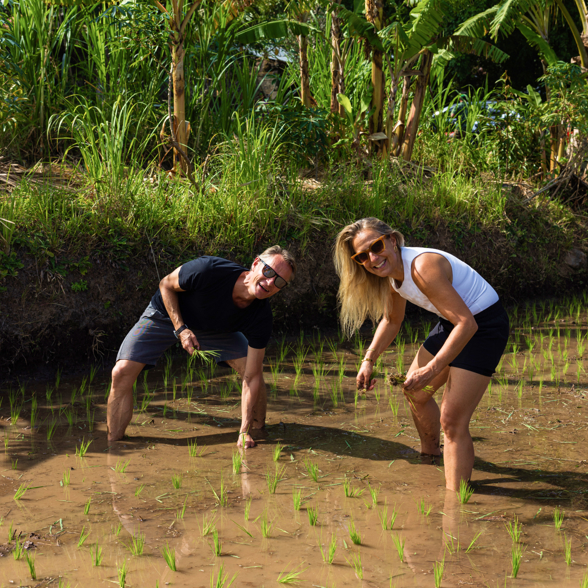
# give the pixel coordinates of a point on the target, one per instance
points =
(209, 304)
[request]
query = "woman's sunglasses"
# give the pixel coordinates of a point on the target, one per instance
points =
(376, 247)
(269, 272)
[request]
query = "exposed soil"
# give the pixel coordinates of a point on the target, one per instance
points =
(531, 443)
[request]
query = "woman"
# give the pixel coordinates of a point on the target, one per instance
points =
(378, 274)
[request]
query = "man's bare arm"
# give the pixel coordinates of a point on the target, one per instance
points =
(252, 381)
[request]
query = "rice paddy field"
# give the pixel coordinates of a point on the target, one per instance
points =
(335, 493)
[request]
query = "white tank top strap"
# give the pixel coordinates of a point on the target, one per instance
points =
(474, 290)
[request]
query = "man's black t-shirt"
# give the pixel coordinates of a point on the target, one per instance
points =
(207, 304)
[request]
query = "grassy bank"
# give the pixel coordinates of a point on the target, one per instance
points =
(83, 257)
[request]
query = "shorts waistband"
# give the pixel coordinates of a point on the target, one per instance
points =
(491, 312)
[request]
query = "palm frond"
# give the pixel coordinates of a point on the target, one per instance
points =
(474, 46)
(541, 44)
(478, 25)
(508, 15)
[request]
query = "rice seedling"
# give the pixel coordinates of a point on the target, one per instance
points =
(208, 525)
(139, 489)
(14, 464)
(87, 506)
(96, 554)
(122, 574)
(277, 451)
(220, 581)
(558, 517)
(273, 479)
(312, 516)
(177, 481)
(516, 555)
(452, 544)
(334, 394)
(217, 546)
(465, 492)
(222, 496)
(423, 509)
(237, 462)
(118, 530)
(248, 507)
(21, 491)
(514, 529)
(351, 492)
(193, 449)
(51, 428)
(354, 534)
(266, 526)
(387, 524)
(65, 478)
(399, 544)
(584, 581)
(18, 550)
(394, 404)
(567, 550)
(31, 564)
(292, 577)
(83, 448)
(137, 544)
(57, 378)
(15, 414)
(473, 541)
(297, 499)
(328, 554)
(438, 569)
(34, 412)
(355, 563)
(374, 494)
(83, 536)
(312, 469)
(11, 532)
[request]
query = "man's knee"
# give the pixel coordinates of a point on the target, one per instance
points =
(125, 372)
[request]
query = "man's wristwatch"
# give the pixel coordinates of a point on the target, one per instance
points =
(182, 328)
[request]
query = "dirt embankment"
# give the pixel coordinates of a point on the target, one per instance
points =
(82, 312)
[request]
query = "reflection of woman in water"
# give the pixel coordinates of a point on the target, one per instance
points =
(378, 274)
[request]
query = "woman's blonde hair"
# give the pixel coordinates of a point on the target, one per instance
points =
(361, 294)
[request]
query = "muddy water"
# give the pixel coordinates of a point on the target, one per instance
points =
(532, 457)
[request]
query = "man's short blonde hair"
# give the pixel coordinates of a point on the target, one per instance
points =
(277, 250)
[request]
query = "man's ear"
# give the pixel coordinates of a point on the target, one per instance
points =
(255, 262)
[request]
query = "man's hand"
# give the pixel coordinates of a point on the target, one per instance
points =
(363, 377)
(245, 441)
(189, 341)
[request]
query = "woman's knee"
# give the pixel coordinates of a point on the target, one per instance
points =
(453, 424)
(417, 398)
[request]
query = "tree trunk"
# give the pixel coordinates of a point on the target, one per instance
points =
(178, 54)
(398, 137)
(417, 105)
(303, 59)
(374, 14)
(388, 144)
(337, 71)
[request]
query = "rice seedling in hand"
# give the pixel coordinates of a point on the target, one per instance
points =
(31, 564)
(83, 448)
(438, 569)
(20, 492)
(122, 574)
(137, 544)
(292, 577)
(220, 581)
(177, 481)
(516, 555)
(139, 489)
(18, 550)
(266, 527)
(558, 517)
(297, 499)
(87, 506)
(354, 534)
(273, 479)
(248, 507)
(277, 452)
(237, 462)
(465, 492)
(514, 529)
(96, 554)
(399, 544)
(355, 563)
(328, 554)
(312, 469)
(312, 516)
(473, 541)
(374, 494)
(217, 546)
(83, 536)
(568, 549)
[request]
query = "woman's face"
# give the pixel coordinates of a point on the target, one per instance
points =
(381, 264)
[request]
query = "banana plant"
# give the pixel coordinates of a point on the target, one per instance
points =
(355, 123)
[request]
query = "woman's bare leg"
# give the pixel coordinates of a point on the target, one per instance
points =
(462, 395)
(425, 412)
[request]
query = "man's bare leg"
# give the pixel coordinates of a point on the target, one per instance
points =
(260, 408)
(120, 402)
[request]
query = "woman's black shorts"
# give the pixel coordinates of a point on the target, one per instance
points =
(484, 350)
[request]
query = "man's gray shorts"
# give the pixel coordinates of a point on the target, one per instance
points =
(149, 339)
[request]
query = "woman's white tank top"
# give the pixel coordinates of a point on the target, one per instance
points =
(474, 290)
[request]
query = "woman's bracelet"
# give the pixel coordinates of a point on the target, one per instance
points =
(367, 359)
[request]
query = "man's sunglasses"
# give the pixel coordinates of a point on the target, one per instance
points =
(269, 272)
(376, 247)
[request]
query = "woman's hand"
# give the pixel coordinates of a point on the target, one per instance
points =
(363, 376)
(419, 379)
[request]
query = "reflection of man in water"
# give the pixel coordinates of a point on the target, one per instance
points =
(209, 304)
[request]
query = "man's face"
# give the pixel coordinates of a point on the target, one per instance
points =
(262, 287)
